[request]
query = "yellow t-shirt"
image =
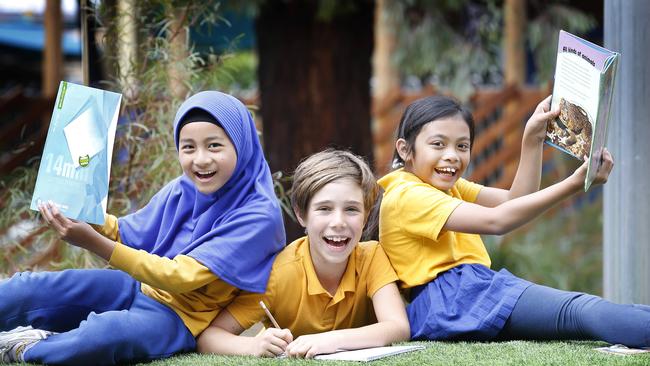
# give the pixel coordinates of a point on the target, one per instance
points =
(411, 219)
(185, 285)
(298, 301)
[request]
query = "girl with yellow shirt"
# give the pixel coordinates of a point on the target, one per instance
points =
(327, 290)
(429, 226)
(185, 255)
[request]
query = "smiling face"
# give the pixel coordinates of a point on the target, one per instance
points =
(334, 221)
(441, 152)
(207, 155)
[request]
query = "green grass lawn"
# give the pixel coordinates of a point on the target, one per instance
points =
(450, 353)
(453, 353)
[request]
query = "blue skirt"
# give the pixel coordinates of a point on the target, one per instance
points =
(468, 302)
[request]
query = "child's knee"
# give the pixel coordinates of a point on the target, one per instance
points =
(19, 290)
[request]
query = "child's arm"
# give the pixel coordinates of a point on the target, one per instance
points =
(77, 233)
(529, 171)
(221, 337)
(178, 275)
(392, 326)
(477, 219)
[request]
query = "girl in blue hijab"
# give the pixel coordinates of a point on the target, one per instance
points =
(201, 239)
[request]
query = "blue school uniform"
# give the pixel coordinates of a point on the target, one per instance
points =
(102, 315)
(468, 302)
(456, 296)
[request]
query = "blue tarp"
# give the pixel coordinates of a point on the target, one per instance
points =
(31, 36)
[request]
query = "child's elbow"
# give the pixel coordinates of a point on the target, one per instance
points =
(499, 229)
(497, 225)
(402, 331)
(405, 333)
(208, 340)
(203, 345)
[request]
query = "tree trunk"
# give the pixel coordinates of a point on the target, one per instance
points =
(178, 51)
(314, 80)
(385, 88)
(514, 44)
(127, 45)
(626, 201)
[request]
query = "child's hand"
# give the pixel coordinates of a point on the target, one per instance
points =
(606, 166)
(308, 346)
(272, 342)
(74, 232)
(536, 125)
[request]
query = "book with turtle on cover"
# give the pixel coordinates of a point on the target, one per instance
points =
(76, 161)
(582, 90)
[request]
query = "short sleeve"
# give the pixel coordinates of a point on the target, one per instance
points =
(380, 272)
(468, 190)
(246, 309)
(423, 211)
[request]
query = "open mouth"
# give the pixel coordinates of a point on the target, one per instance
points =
(205, 175)
(336, 241)
(450, 172)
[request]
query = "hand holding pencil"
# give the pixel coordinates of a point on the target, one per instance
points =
(273, 341)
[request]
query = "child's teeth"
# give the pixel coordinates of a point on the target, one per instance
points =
(335, 238)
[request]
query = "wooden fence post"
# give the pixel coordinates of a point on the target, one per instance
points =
(52, 50)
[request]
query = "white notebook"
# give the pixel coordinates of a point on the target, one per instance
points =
(368, 354)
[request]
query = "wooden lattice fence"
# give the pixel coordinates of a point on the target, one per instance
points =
(500, 116)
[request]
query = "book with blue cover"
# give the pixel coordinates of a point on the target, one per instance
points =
(76, 162)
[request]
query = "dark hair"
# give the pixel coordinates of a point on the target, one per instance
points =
(195, 115)
(426, 110)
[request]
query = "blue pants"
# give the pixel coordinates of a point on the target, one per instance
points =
(101, 315)
(544, 313)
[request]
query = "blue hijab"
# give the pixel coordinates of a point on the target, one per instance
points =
(235, 231)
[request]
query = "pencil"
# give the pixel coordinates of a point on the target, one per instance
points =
(268, 313)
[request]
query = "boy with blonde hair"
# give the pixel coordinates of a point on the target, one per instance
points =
(327, 290)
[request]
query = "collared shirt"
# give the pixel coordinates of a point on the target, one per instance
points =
(411, 220)
(299, 302)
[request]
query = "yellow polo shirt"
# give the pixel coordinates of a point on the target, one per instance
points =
(298, 301)
(411, 220)
(185, 285)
